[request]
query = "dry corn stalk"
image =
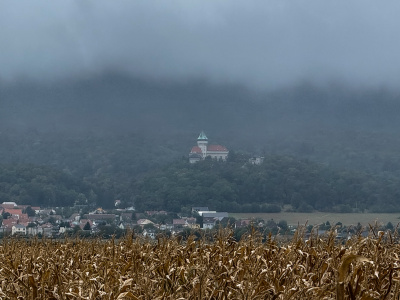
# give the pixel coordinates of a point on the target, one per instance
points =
(222, 268)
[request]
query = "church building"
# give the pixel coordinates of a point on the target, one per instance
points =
(203, 150)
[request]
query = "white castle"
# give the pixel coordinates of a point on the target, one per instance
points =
(203, 150)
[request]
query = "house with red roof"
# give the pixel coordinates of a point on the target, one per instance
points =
(14, 212)
(10, 222)
(203, 150)
(179, 223)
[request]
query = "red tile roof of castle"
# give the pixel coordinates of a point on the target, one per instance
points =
(196, 149)
(216, 148)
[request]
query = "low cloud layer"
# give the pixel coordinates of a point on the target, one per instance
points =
(256, 43)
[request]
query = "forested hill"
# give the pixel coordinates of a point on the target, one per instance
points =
(236, 186)
(108, 131)
(108, 164)
(42, 186)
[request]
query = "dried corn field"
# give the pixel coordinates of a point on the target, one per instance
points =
(317, 268)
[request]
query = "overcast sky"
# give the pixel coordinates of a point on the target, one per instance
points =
(257, 43)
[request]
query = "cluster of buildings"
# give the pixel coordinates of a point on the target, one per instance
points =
(46, 222)
(209, 220)
(26, 220)
(15, 218)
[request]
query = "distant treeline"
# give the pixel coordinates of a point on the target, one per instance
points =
(281, 181)
(42, 186)
(107, 165)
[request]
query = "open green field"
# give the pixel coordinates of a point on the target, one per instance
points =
(321, 217)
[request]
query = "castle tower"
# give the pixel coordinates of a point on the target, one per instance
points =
(203, 150)
(202, 142)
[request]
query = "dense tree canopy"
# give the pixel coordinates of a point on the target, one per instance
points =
(281, 181)
(44, 186)
(108, 164)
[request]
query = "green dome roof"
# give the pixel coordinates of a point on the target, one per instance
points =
(202, 136)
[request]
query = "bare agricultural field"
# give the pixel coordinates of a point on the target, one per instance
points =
(321, 217)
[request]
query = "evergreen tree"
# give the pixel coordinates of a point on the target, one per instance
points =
(87, 226)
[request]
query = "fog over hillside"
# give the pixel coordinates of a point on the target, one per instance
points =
(120, 103)
(305, 120)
